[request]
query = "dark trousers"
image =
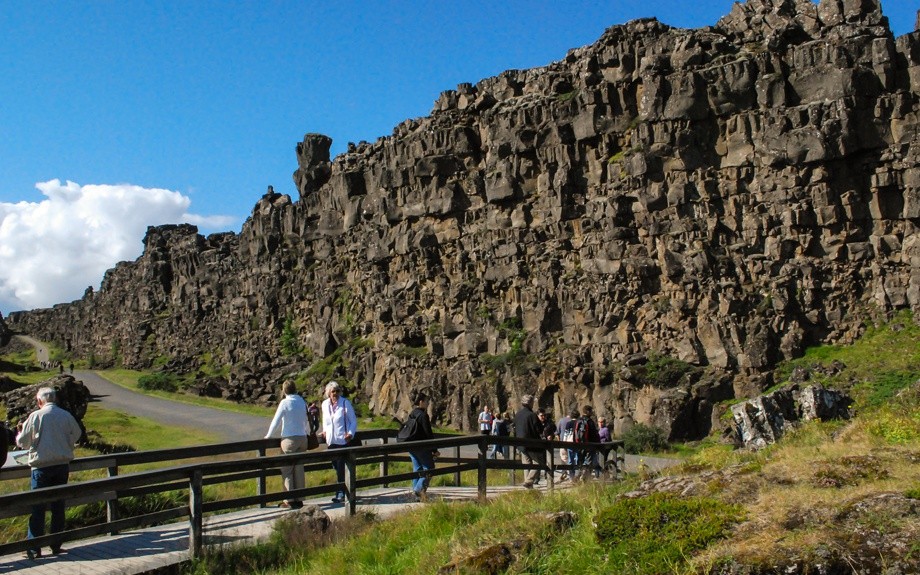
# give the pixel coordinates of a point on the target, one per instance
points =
(48, 477)
(339, 465)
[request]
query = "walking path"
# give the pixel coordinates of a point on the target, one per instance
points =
(145, 550)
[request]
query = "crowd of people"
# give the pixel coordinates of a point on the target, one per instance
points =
(576, 427)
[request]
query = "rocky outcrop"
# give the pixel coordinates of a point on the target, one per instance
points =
(5, 333)
(763, 420)
(71, 395)
(723, 197)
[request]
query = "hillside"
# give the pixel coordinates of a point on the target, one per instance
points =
(647, 225)
(837, 497)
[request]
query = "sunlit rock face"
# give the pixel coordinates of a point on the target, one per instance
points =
(723, 197)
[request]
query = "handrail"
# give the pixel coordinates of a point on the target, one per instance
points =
(194, 475)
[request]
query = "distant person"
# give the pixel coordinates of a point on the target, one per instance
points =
(586, 432)
(603, 431)
(527, 426)
(566, 430)
(549, 428)
(292, 423)
(485, 421)
(313, 416)
(418, 428)
(500, 428)
(71, 368)
(340, 424)
(49, 433)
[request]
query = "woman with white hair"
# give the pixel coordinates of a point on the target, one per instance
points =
(340, 424)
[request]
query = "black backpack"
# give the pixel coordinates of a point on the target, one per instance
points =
(409, 430)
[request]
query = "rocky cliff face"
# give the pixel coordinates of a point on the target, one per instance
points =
(721, 197)
(5, 333)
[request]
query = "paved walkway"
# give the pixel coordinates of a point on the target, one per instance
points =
(144, 550)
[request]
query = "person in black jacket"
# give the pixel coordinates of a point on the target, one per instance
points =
(528, 426)
(418, 428)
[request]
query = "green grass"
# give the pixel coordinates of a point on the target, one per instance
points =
(129, 378)
(885, 360)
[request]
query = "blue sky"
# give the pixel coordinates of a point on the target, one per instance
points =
(206, 100)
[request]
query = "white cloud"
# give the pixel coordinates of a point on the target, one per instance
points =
(50, 251)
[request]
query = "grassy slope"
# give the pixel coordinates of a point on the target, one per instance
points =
(791, 496)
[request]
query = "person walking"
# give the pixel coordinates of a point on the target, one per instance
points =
(485, 420)
(340, 424)
(566, 431)
(49, 433)
(418, 428)
(527, 426)
(292, 423)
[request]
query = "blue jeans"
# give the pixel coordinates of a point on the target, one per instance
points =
(422, 461)
(48, 477)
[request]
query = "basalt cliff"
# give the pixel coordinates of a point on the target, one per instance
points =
(648, 225)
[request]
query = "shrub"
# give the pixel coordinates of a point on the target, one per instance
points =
(641, 438)
(663, 371)
(159, 381)
(661, 529)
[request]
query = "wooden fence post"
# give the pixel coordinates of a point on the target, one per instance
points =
(551, 469)
(457, 474)
(483, 478)
(260, 480)
(351, 499)
(385, 464)
(196, 521)
(111, 505)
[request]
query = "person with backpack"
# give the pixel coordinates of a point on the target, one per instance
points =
(566, 430)
(418, 428)
(585, 431)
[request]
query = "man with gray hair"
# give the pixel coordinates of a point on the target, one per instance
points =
(527, 426)
(49, 433)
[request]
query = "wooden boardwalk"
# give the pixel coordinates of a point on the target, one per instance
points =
(145, 550)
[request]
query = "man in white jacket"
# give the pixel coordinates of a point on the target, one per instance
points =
(291, 419)
(49, 433)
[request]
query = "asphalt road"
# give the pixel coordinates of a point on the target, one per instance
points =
(228, 425)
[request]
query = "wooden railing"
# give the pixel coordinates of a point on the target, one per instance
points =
(194, 475)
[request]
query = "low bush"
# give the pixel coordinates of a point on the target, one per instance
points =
(641, 438)
(661, 529)
(159, 381)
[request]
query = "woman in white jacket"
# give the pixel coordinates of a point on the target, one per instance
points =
(340, 424)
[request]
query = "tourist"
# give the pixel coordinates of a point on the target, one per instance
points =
(49, 433)
(500, 429)
(549, 428)
(586, 432)
(566, 431)
(418, 428)
(292, 423)
(527, 426)
(340, 424)
(485, 421)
